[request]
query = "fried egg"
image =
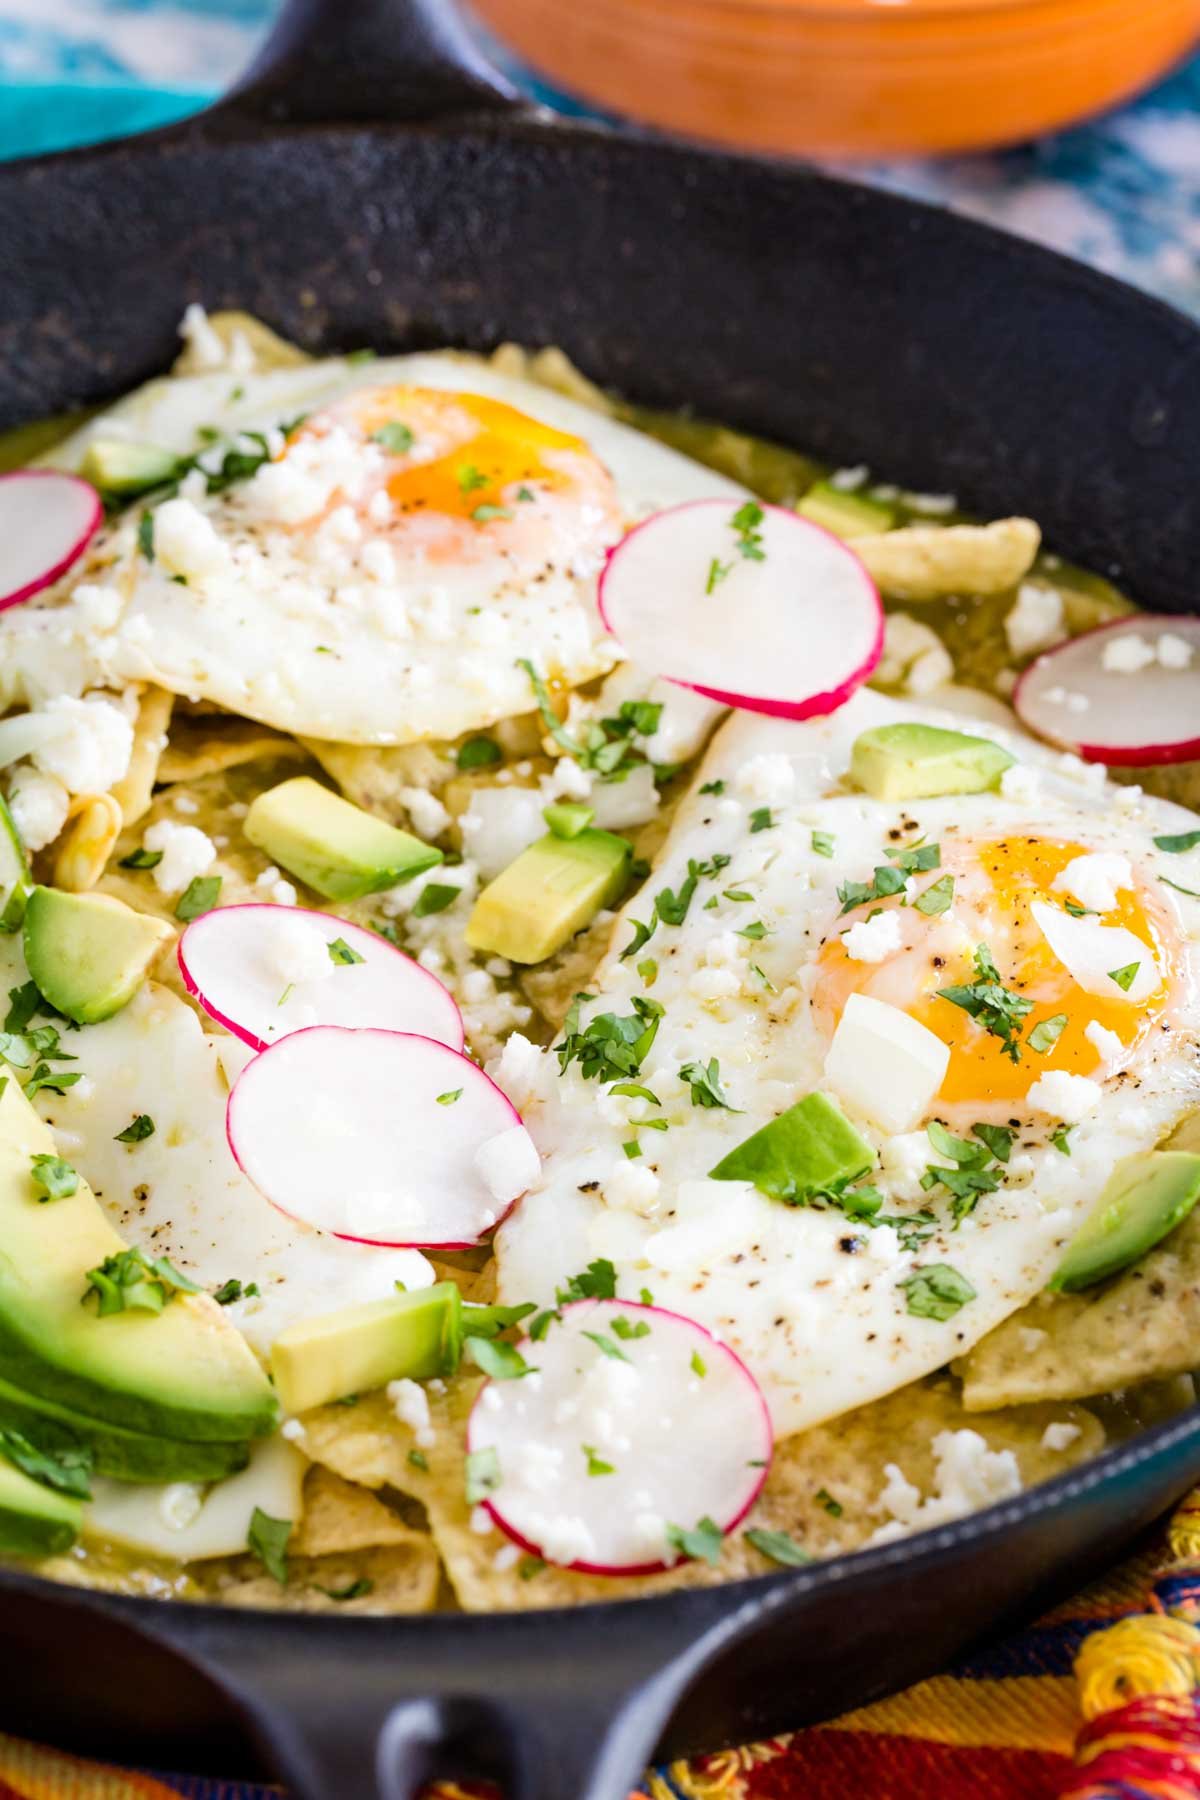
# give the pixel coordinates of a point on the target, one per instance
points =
(1055, 881)
(421, 528)
(178, 1192)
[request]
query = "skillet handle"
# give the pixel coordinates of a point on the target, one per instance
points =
(353, 62)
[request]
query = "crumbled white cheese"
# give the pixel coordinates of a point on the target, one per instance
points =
(538, 1467)
(567, 781)
(1096, 879)
(1020, 783)
(1127, 652)
(297, 950)
(1031, 1338)
(410, 1403)
(99, 608)
(564, 1539)
(519, 1069)
(1035, 621)
(185, 541)
(506, 1558)
(632, 1186)
(429, 817)
(914, 656)
(207, 350)
(1060, 1435)
(1174, 652)
(1107, 1043)
(294, 1430)
(1064, 1096)
(508, 1164)
(873, 940)
(770, 778)
(481, 1521)
(186, 853)
(903, 1160)
(179, 1504)
(967, 1476)
(714, 983)
(38, 804)
(90, 751)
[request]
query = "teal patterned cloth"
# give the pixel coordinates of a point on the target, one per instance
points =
(1122, 191)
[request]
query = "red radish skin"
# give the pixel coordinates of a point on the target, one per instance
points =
(1075, 664)
(310, 1054)
(692, 1336)
(796, 615)
(63, 510)
(430, 1005)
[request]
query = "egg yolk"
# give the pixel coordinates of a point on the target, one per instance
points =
(996, 884)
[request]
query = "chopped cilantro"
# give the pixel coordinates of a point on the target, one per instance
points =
(919, 859)
(529, 1566)
(632, 1148)
(394, 436)
(1060, 1140)
(1176, 845)
(885, 882)
(341, 953)
(54, 1081)
(419, 1460)
(609, 1047)
(713, 787)
(745, 522)
(1125, 977)
(826, 1501)
(198, 897)
(141, 859)
(503, 1362)
(704, 1079)
(353, 1590)
(137, 1131)
(470, 480)
(823, 844)
(993, 1006)
(479, 753)
(703, 1541)
(56, 1178)
(23, 1003)
(671, 907)
(998, 1138)
(1192, 893)
(626, 1329)
(936, 1292)
(484, 515)
(778, 1547)
(697, 1364)
(648, 970)
(604, 1344)
(633, 1090)
(595, 1464)
(761, 819)
(145, 536)
(267, 1539)
(755, 931)
(717, 571)
(449, 1097)
(1047, 1032)
(435, 897)
(133, 1282)
(937, 898)
(229, 1291)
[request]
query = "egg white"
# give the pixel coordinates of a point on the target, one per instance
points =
(823, 1326)
(246, 636)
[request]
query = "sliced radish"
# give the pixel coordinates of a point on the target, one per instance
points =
(775, 616)
(381, 1137)
(1124, 693)
(47, 521)
(637, 1420)
(266, 971)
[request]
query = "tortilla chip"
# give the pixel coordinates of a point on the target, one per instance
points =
(375, 776)
(401, 1579)
(339, 1517)
(250, 345)
(551, 368)
(86, 842)
(135, 791)
(930, 562)
(823, 1488)
(201, 745)
(1141, 1325)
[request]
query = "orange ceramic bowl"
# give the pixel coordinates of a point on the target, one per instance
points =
(849, 77)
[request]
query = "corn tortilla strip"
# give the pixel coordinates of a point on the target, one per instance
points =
(134, 792)
(339, 1517)
(374, 777)
(847, 1458)
(1141, 1325)
(208, 744)
(403, 1578)
(930, 562)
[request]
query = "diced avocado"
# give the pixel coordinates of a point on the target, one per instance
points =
(847, 515)
(805, 1151)
(552, 890)
(88, 953)
(120, 466)
(1144, 1198)
(14, 873)
(416, 1335)
(125, 1455)
(567, 818)
(332, 845)
(910, 761)
(34, 1520)
(184, 1372)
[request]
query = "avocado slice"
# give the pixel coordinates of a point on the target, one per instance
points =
(847, 515)
(910, 761)
(15, 878)
(125, 1455)
(809, 1148)
(1144, 1198)
(34, 1520)
(121, 466)
(89, 953)
(184, 1372)
(416, 1335)
(332, 845)
(551, 891)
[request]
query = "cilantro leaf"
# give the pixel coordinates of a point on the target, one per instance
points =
(267, 1539)
(131, 1281)
(702, 1542)
(56, 1178)
(1176, 845)
(936, 1292)
(778, 1547)
(137, 1131)
(992, 1005)
(609, 1047)
(704, 1079)
(937, 898)
(198, 897)
(435, 897)
(394, 436)
(1047, 1032)
(341, 953)
(1125, 977)
(503, 1362)
(479, 753)
(596, 1464)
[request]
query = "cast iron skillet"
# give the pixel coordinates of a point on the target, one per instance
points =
(375, 182)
